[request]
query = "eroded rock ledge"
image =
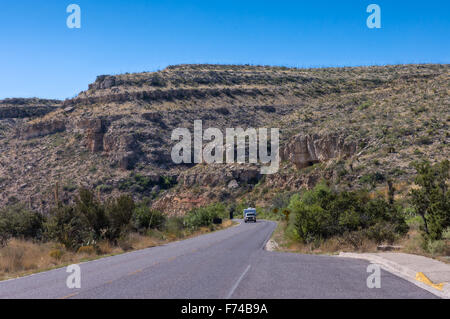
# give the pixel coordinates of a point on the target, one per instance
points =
(306, 150)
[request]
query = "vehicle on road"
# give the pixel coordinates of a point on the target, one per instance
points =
(250, 215)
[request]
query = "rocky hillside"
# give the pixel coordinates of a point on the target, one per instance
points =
(356, 126)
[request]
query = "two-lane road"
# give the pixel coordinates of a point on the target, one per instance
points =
(226, 264)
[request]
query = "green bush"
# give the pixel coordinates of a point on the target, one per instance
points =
(382, 232)
(175, 225)
(322, 213)
(18, 221)
(144, 184)
(438, 248)
(372, 179)
(431, 200)
(312, 222)
(145, 218)
(204, 216)
(274, 214)
(56, 254)
(88, 220)
(69, 227)
(93, 211)
(446, 234)
(119, 213)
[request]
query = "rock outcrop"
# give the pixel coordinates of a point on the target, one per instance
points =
(124, 150)
(95, 130)
(24, 108)
(306, 150)
(218, 175)
(42, 129)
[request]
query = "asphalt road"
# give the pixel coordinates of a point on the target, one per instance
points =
(226, 264)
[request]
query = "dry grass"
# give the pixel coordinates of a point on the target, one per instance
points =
(22, 257)
(333, 245)
(411, 244)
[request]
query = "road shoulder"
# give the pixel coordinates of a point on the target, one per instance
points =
(427, 273)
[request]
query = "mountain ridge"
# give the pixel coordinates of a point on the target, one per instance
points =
(115, 136)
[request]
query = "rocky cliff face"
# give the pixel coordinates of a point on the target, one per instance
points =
(306, 150)
(27, 108)
(40, 129)
(115, 137)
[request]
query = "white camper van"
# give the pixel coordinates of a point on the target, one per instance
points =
(250, 215)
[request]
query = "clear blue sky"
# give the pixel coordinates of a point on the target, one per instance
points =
(40, 56)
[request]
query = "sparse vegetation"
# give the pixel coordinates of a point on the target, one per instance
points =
(144, 184)
(89, 227)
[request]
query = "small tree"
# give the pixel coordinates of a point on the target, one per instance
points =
(93, 210)
(69, 227)
(145, 218)
(119, 212)
(431, 199)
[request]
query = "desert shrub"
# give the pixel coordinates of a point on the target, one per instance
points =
(69, 227)
(431, 200)
(312, 222)
(137, 183)
(280, 200)
(17, 221)
(438, 248)
(104, 188)
(175, 226)
(119, 213)
(354, 238)
(158, 80)
(124, 242)
(382, 232)
(88, 250)
(322, 213)
(446, 234)
(93, 211)
(273, 214)
(56, 254)
(166, 182)
(372, 179)
(145, 218)
(204, 216)
(144, 184)
(88, 220)
(424, 140)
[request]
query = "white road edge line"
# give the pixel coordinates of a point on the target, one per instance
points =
(238, 282)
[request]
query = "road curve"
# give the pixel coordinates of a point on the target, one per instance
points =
(230, 263)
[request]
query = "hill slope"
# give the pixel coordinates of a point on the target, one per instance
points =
(364, 123)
